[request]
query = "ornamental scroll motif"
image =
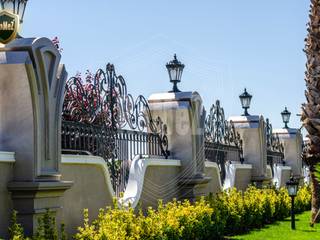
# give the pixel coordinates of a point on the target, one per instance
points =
(102, 99)
(273, 141)
(219, 130)
(222, 142)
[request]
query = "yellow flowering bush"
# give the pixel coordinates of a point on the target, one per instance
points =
(175, 220)
(251, 209)
(112, 223)
(229, 212)
(302, 201)
(213, 217)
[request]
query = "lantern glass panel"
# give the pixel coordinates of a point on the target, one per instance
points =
(9, 6)
(292, 190)
(175, 73)
(21, 8)
(246, 102)
(179, 73)
(172, 74)
(14, 6)
(285, 117)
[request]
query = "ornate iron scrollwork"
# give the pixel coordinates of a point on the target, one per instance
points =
(101, 101)
(221, 138)
(275, 148)
(219, 130)
(273, 140)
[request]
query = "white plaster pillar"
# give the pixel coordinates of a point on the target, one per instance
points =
(184, 115)
(292, 142)
(251, 130)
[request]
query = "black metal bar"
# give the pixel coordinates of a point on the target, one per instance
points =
(221, 132)
(293, 222)
(275, 149)
(101, 117)
(126, 144)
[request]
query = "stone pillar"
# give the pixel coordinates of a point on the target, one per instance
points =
(184, 115)
(292, 141)
(252, 132)
(281, 175)
(31, 96)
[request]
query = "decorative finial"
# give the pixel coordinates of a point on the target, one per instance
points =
(175, 69)
(285, 114)
(245, 99)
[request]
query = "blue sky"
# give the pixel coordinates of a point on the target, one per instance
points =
(225, 45)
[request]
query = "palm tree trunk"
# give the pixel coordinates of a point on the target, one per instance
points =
(311, 109)
(315, 203)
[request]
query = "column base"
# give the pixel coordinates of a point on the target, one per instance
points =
(261, 181)
(31, 199)
(190, 188)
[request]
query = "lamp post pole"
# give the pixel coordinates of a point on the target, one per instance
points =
(292, 186)
(293, 221)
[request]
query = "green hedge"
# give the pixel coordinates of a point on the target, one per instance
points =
(227, 213)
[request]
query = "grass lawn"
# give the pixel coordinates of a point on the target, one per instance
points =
(282, 230)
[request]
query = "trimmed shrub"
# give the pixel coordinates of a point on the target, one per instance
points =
(227, 213)
(302, 201)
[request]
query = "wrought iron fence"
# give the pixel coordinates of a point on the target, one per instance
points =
(275, 149)
(100, 117)
(222, 142)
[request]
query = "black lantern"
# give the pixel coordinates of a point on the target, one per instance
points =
(14, 6)
(175, 69)
(285, 117)
(292, 187)
(245, 99)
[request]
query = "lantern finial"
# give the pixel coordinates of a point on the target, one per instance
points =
(285, 114)
(245, 99)
(175, 69)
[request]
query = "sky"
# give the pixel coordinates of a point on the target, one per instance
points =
(225, 46)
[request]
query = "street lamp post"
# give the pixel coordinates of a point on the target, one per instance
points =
(245, 99)
(285, 117)
(175, 69)
(292, 186)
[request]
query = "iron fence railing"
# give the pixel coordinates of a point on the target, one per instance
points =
(275, 149)
(222, 142)
(117, 148)
(222, 154)
(101, 118)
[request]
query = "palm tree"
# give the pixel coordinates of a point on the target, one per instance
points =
(311, 109)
